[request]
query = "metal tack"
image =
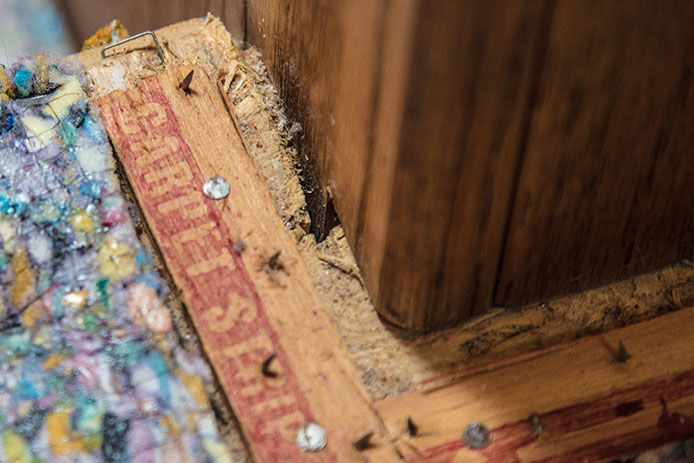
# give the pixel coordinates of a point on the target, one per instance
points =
(477, 436)
(311, 437)
(216, 187)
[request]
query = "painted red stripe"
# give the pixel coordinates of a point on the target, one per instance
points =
(237, 335)
(509, 438)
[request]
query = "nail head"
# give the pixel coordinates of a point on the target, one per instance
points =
(477, 436)
(311, 437)
(216, 187)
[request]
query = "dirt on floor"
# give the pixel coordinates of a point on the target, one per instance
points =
(392, 362)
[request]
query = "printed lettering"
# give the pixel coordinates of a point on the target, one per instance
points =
(286, 425)
(224, 259)
(153, 113)
(182, 205)
(197, 234)
(238, 309)
(121, 109)
(149, 151)
(274, 404)
(177, 175)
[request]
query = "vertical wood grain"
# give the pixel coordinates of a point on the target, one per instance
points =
(413, 112)
(469, 86)
(607, 186)
(478, 153)
(369, 240)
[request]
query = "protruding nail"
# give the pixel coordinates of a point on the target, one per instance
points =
(185, 83)
(622, 355)
(412, 428)
(363, 442)
(266, 367)
(536, 423)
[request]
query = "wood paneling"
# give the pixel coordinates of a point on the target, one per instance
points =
(607, 184)
(413, 113)
(464, 120)
(534, 148)
(325, 58)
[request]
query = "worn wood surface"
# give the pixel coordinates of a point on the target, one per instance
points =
(607, 184)
(457, 154)
(501, 152)
(591, 407)
(243, 310)
(325, 59)
(388, 105)
(169, 143)
(84, 17)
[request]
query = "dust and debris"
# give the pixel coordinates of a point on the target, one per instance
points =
(392, 361)
(348, 268)
(207, 48)
(677, 452)
(265, 128)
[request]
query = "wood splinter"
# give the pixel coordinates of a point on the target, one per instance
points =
(267, 372)
(342, 265)
(364, 441)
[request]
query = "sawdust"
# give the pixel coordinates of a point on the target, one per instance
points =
(268, 138)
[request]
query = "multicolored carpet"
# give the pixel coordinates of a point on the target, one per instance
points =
(91, 368)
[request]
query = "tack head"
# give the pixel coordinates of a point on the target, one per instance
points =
(311, 437)
(477, 436)
(216, 187)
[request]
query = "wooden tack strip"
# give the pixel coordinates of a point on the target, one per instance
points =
(589, 405)
(243, 308)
